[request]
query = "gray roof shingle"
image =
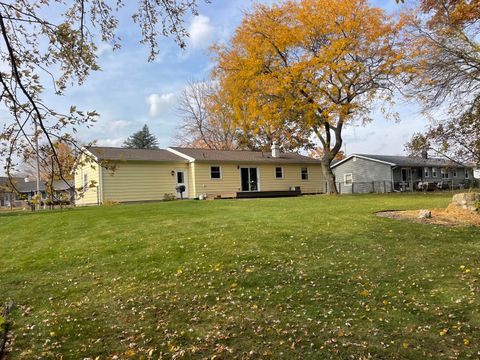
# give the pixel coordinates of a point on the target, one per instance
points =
(5, 181)
(123, 154)
(31, 186)
(413, 161)
(58, 185)
(244, 156)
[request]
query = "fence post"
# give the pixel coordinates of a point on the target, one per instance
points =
(384, 187)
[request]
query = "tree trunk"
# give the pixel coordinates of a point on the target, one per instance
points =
(329, 177)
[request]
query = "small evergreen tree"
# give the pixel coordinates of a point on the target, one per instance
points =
(142, 139)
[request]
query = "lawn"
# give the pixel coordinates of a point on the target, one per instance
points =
(311, 277)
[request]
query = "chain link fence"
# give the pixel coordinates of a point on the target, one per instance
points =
(367, 187)
(382, 187)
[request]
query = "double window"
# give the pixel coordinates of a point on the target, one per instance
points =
(304, 173)
(215, 172)
(279, 172)
(445, 174)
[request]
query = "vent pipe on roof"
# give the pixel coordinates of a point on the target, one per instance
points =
(275, 150)
(424, 154)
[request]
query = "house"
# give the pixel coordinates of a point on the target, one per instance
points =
(7, 192)
(129, 175)
(362, 173)
(23, 189)
(62, 190)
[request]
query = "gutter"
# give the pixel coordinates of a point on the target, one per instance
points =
(100, 184)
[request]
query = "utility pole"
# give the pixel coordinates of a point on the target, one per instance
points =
(37, 165)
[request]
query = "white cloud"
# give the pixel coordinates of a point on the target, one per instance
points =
(103, 48)
(117, 125)
(159, 103)
(113, 142)
(202, 33)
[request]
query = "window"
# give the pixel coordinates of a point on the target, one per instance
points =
(304, 173)
(348, 179)
(215, 172)
(180, 177)
(434, 172)
(467, 174)
(454, 172)
(444, 173)
(279, 173)
(85, 182)
(426, 172)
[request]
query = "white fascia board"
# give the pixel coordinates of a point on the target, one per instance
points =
(176, 152)
(84, 150)
(362, 157)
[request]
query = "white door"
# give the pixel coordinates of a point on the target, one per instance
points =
(182, 181)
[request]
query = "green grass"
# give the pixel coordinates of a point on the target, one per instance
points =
(310, 277)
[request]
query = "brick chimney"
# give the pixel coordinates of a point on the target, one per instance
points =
(424, 154)
(275, 150)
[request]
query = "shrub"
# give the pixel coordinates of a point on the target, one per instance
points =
(169, 197)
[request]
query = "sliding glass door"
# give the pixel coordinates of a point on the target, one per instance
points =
(249, 178)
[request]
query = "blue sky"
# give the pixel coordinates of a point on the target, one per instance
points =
(130, 92)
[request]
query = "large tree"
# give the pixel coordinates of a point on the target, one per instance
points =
(445, 46)
(318, 64)
(49, 45)
(205, 121)
(49, 168)
(142, 139)
(457, 138)
(208, 122)
(446, 52)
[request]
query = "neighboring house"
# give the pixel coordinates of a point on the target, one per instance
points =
(62, 190)
(148, 175)
(361, 173)
(26, 190)
(7, 193)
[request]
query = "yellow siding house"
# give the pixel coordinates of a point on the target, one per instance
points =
(129, 175)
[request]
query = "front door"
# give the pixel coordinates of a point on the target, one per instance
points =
(181, 181)
(406, 177)
(249, 177)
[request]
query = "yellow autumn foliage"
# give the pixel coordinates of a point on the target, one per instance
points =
(310, 64)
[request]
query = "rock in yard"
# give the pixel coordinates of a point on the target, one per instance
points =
(424, 214)
(467, 201)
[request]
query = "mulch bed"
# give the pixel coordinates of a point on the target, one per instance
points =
(451, 216)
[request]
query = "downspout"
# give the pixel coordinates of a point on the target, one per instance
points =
(100, 184)
(194, 179)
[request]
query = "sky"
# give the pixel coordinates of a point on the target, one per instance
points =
(129, 91)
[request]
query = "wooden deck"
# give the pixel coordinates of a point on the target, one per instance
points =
(266, 194)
